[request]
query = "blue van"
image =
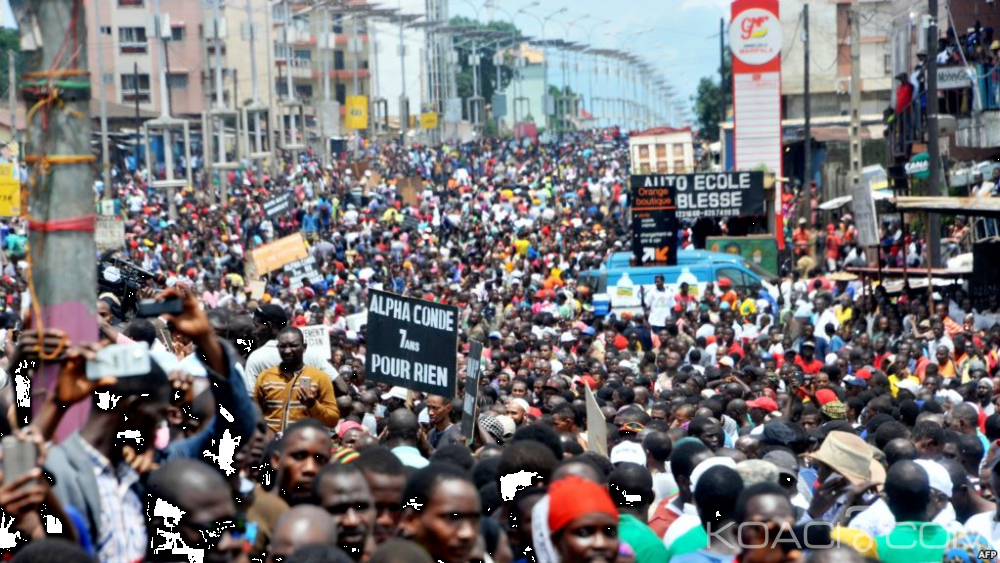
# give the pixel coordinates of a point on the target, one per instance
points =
(696, 267)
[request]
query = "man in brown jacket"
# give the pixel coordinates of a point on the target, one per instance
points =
(292, 390)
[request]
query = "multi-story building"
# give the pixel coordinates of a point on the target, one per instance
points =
(662, 150)
(125, 39)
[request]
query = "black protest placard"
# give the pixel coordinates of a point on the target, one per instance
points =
(715, 194)
(279, 205)
(412, 343)
(302, 269)
(471, 388)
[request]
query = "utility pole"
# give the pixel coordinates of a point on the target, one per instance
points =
(933, 147)
(99, 55)
(290, 95)
(404, 113)
(258, 145)
(855, 129)
(807, 174)
(61, 244)
(138, 118)
(168, 144)
(722, 69)
(323, 133)
(220, 104)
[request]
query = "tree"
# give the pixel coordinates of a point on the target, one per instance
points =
(487, 70)
(10, 40)
(708, 100)
(707, 108)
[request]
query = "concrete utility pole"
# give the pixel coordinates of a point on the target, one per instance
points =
(168, 145)
(404, 113)
(933, 147)
(220, 104)
(323, 133)
(855, 129)
(62, 259)
(807, 174)
(99, 55)
(258, 145)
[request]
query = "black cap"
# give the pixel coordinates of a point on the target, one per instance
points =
(273, 315)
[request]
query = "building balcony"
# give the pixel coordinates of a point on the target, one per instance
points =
(343, 74)
(300, 68)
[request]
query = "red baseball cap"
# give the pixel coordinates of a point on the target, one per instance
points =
(766, 403)
(864, 373)
(825, 396)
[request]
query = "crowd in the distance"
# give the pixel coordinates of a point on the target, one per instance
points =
(826, 420)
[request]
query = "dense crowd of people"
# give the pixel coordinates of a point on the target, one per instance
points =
(827, 420)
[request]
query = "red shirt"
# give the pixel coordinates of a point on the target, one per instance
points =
(812, 367)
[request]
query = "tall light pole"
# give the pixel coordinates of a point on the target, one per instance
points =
(545, 60)
(594, 61)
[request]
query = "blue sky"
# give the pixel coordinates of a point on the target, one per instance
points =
(682, 42)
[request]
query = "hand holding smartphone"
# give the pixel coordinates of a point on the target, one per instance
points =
(19, 457)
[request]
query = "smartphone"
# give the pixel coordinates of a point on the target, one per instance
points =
(120, 360)
(155, 307)
(19, 457)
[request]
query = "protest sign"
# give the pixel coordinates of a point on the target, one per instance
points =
(300, 270)
(276, 255)
(317, 336)
(597, 426)
(472, 370)
(109, 234)
(279, 205)
(356, 321)
(412, 343)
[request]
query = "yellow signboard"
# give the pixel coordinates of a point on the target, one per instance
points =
(10, 191)
(279, 253)
(429, 120)
(356, 112)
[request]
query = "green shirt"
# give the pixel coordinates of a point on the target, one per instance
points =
(913, 542)
(647, 547)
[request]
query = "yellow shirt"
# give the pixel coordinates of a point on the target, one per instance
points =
(275, 394)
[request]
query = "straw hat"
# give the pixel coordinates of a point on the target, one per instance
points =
(851, 457)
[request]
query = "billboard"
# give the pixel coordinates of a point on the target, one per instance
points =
(356, 112)
(755, 41)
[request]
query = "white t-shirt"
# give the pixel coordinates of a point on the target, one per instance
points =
(659, 302)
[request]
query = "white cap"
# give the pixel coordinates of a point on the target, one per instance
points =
(567, 337)
(628, 452)
(520, 403)
(709, 463)
(396, 393)
(938, 475)
(909, 385)
(726, 361)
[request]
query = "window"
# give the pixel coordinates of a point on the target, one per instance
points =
(132, 39)
(644, 151)
(130, 3)
(679, 166)
(338, 60)
(304, 91)
(679, 151)
(177, 81)
(108, 78)
(177, 33)
(105, 30)
(130, 91)
(303, 54)
(739, 279)
(341, 94)
(661, 167)
(661, 152)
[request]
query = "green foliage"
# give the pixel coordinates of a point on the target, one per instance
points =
(708, 101)
(10, 40)
(487, 70)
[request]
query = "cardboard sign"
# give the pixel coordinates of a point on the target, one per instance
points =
(10, 191)
(302, 269)
(109, 234)
(865, 217)
(471, 405)
(276, 255)
(412, 343)
(409, 189)
(317, 336)
(597, 426)
(257, 289)
(356, 321)
(279, 205)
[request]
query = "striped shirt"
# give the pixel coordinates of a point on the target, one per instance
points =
(122, 535)
(274, 391)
